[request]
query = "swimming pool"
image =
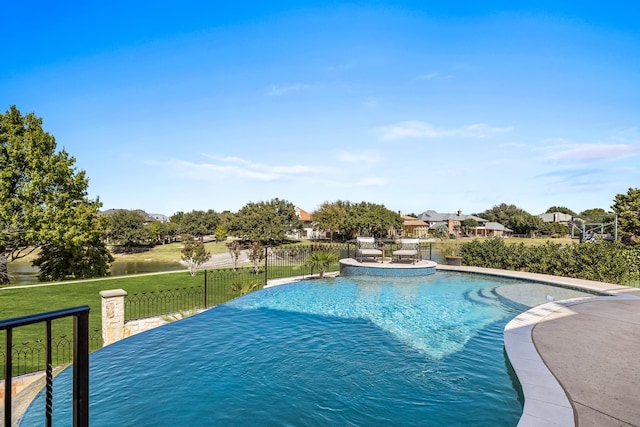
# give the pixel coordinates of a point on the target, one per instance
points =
(343, 351)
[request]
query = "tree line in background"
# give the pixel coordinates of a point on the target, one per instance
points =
(44, 205)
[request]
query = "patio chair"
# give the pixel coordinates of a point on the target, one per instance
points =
(409, 248)
(366, 247)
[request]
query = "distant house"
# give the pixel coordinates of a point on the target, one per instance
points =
(559, 217)
(159, 217)
(307, 231)
(147, 217)
(494, 229)
(454, 223)
(414, 227)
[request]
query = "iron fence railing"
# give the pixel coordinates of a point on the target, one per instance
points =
(80, 358)
(29, 357)
(155, 303)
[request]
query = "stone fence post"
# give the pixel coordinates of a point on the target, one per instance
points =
(112, 315)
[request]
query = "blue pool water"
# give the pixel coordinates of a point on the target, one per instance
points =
(346, 351)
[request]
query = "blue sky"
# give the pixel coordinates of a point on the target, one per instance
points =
(176, 106)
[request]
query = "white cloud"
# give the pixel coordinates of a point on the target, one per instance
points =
(278, 90)
(360, 156)
(236, 167)
(588, 153)
(424, 130)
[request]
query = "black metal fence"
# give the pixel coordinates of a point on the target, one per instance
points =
(29, 357)
(79, 352)
(156, 303)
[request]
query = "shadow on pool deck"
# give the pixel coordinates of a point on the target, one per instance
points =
(592, 348)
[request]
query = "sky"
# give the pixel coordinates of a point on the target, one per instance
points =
(195, 105)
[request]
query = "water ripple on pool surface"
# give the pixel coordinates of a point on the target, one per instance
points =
(420, 312)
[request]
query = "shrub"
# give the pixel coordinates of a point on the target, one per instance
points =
(600, 260)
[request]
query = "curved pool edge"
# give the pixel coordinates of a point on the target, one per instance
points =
(353, 267)
(546, 401)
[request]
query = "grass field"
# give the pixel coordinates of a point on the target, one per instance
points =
(37, 299)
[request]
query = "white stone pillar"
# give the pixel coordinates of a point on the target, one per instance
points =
(112, 315)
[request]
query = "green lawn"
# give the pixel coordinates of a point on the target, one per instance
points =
(37, 299)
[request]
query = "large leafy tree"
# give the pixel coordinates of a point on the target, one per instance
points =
(265, 222)
(128, 228)
(331, 216)
(43, 201)
(199, 223)
(511, 216)
(162, 232)
(80, 261)
(627, 207)
(594, 212)
(561, 209)
(371, 219)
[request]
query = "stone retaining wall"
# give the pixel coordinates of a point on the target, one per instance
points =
(114, 327)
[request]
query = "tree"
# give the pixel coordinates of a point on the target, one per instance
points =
(595, 212)
(511, 216)
(235, 249)
(371, 219)
(58, 262)
(265, 222)
(199, 223)
(128, 228)
(555, 229)
(441, 232)
(469, 224)
(256, 255)
(194, 254)
(43, 197)
(561, 209)
(627, 207)
(83, 259)
(331, 216)
(220, 233)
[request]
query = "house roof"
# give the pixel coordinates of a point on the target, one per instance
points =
(143, 214)
(303, 215)
(433, 216)
(555, 217)
(415, 222)
(496, 226)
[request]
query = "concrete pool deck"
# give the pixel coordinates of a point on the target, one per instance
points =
(578, 360)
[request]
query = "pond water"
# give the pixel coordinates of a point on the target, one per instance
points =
(344, 351)
(25, 274)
